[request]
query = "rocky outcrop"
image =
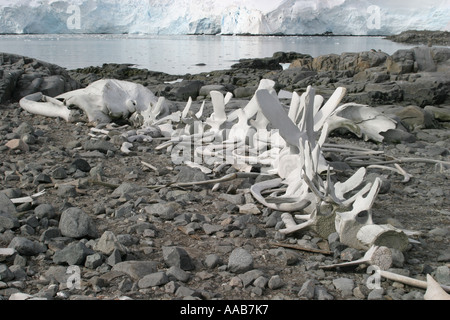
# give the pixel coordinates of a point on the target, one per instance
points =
(414, 76)
(21, 76)
(425, 37)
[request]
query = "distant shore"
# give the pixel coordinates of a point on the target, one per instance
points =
(425, 37)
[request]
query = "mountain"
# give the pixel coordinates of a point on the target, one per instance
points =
(339, 17)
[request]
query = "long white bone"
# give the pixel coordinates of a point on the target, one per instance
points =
(377, 256)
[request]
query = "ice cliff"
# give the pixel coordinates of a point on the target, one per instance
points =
(353, 17)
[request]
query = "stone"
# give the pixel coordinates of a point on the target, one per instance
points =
(8, 221)
(261, 282)
(136, 269)
(275, 282)
(153, 280)
(176, 256)
(345, 286)
(75, 223)
(307, 289)
(93, 261)
(99, 145)
(73, 254)
(442, 275)
(80, 164)
(45, 210)
(240, 261)
(320, 293)
(130, 189)
(164, 210)
(400, 62)
(114, 258)
(178, 273)
(50, 234)
(17, 144)
(6, 205)
(205, 90)
(414, 117)
(212, 261)
(249, 208)
(211, 229)
(376, 294)
(250, 276)
(185, 89)
(108, 242)
(27, 247)
(188, 174)
(440, 113)
(5, 273)
(237, 199)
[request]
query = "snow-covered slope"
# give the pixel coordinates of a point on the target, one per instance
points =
(366, 17)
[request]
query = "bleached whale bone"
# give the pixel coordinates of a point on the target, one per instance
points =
(102, 101)
(376, 255)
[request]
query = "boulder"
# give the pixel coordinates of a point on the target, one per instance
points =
(21, 76)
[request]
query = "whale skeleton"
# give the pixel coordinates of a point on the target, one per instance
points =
(285, 143)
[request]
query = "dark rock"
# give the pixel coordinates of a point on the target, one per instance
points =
(136, 269)
(81, 164)
(8, 221)
(185, 89)
(21, 76)
(6, 205)
(75, 223)
(153, 280)
(73, 254)
(176, 256)
(264, 63)
(240, 261)
(26, 247)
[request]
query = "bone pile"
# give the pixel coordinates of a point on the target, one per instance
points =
(287, 145)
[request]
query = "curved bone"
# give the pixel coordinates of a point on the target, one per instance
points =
(362, 120)
(37, 103)
(329, 107)
(259, 187)
(377, 256)
(434, 292)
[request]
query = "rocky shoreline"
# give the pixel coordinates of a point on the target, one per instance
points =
(424, 37)
(102, 231)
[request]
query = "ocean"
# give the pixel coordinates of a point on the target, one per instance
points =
(179, 54)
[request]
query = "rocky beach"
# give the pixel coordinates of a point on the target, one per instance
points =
(96, 223)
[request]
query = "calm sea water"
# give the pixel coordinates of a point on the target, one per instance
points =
(178, 54)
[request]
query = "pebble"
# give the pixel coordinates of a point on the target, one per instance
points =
(240, 261)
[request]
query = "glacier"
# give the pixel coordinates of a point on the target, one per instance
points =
(226, 17)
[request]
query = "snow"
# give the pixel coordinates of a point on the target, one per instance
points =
(349, 17)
